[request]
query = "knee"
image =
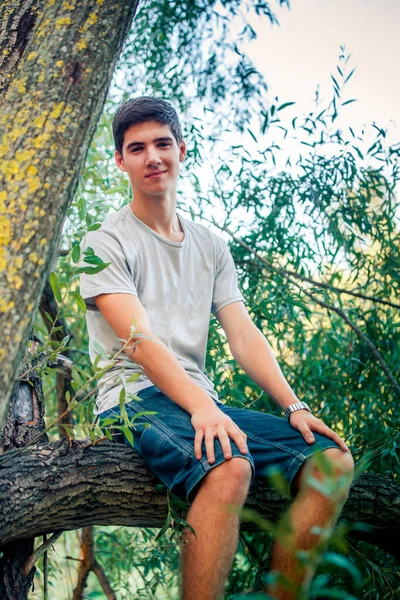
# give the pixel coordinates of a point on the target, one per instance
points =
(231, 479)
(335, 469)
(341, 462)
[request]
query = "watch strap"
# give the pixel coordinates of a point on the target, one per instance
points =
(296, 406)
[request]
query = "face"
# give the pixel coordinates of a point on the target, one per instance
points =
(151, 157)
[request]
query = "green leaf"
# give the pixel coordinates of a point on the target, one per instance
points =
(285, 105)
(79, 300)
(349, 102)
(76, 253)
(109, 421)
(348, 76)
(65, 339)
(93, 260)
(94, 227)
(92, 270)
(51, 319)
(276, 479)
(81, 207)
(99, 348)
(122, 396)
(164, 528)
(143, 413)
(343, 563)
(129, 435)
(360, 154)
(133, 377)
(76, 377)
(252, 135)
(55, 286)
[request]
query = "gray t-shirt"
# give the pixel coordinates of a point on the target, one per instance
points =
(178, 283)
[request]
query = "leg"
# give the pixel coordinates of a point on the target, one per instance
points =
(207, 558)
(309, 509)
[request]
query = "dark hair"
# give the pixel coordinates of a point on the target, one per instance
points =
(140, 110)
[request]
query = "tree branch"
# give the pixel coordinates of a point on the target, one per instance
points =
(62, 487)
(39, 551)
(338, 311)
(282, 271)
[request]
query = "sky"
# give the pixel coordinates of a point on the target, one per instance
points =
(302, 52)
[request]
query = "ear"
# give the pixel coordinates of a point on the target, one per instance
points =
(182, 151)
(119, 161)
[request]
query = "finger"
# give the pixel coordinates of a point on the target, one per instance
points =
(209, 439)
(325, 430)
(242, 433)
(224, 441)
(198, 439)
(239, 437)
(306, 433)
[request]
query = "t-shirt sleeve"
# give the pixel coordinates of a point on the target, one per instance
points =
(116, 278)
(226, 289)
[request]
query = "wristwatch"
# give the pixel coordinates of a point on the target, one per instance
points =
(296, 406)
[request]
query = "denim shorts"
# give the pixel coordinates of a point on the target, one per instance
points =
(166, 442)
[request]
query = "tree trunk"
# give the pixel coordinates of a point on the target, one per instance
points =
(57, 486)
(60, 74)
(24, 423)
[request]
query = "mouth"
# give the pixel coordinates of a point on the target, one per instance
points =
(155, 175)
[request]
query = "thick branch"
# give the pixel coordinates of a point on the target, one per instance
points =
(58, 487)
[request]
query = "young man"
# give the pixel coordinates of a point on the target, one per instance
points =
(167, 274)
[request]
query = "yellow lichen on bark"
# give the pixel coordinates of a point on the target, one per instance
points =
(69, 5)
(6, 306)
(22, 179)
(63, 22)
(91, 20)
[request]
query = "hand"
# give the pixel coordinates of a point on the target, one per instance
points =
(306, 423)
(211, 422)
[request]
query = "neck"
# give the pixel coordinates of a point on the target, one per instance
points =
(158, 213)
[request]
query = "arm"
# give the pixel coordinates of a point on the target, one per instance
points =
(254, 354)
(164, 370)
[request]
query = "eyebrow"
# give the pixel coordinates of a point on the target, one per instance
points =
(159, 139)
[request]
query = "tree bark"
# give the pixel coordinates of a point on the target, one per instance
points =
(58, 487)
(24, 422)
(60, 76)
(17, 20)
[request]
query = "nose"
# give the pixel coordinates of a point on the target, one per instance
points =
(152, 157)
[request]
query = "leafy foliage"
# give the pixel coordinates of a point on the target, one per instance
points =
(315, 237)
